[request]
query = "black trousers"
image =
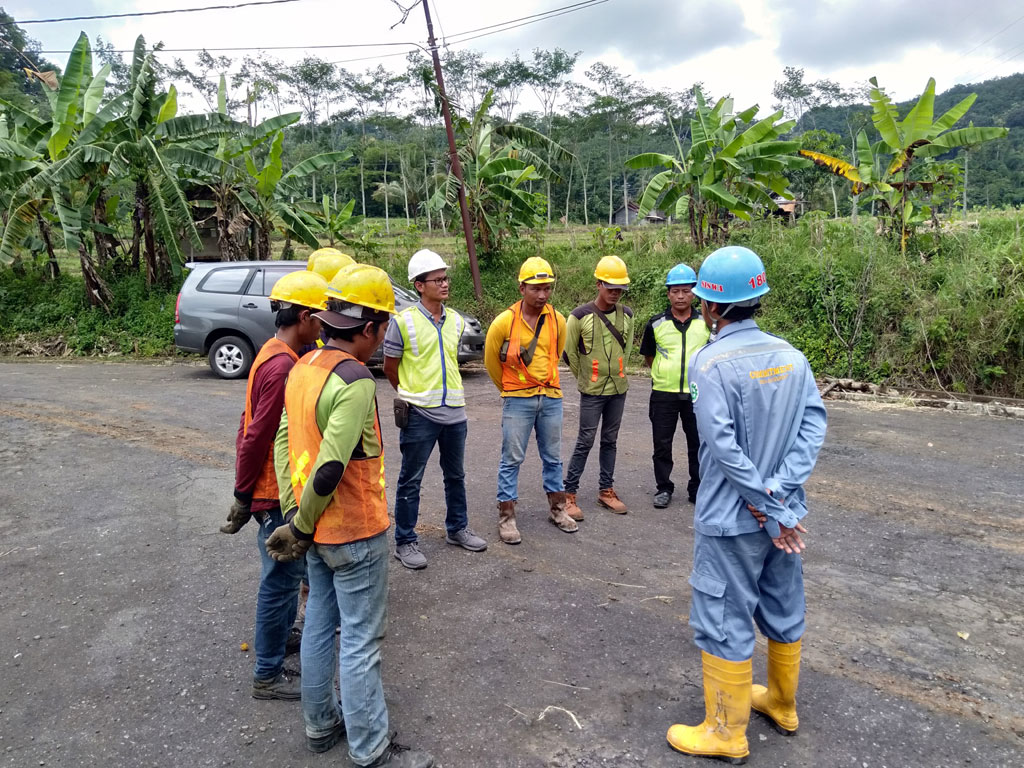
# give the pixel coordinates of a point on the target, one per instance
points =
(665, 409)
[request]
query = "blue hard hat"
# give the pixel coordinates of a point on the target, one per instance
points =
(681, 274)
(730, 275)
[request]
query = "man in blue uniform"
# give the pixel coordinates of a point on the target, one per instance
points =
(761, 424)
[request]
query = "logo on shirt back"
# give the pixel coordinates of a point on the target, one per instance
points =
(693, 391)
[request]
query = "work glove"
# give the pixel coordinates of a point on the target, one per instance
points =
(287, 543)
(238, 516)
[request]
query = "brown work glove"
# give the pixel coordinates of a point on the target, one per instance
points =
(288, 543)
(238, 516)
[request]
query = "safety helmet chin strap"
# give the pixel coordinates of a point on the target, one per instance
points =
(728, 308)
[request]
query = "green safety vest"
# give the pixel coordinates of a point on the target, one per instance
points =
(428, 374)
(670, 370)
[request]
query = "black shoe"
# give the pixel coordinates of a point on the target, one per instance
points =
(662, 499)
(294, 641)
(327, 741)
(399, 756)
(283, 687)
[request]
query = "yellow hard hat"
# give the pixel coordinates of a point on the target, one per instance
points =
(536, 271)
(612, 270)
(306, 289)
(328, 264)
(311, 261)
(355, 289)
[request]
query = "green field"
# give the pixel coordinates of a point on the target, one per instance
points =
(949, 313)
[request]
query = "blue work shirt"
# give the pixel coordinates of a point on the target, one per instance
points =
(761, 423)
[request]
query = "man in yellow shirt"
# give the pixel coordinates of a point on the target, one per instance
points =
(521, 354)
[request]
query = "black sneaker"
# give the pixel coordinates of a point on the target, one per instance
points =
(294, 641)
(327, 741)
(662, 499)
(398, 756)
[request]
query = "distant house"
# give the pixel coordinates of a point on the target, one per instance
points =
(628, 216)
(790, 209)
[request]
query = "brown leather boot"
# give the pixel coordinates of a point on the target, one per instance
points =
(572, 508)
(558, 516)
(607, 499)
(507, 530)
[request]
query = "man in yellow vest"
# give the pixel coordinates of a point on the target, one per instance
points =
(668, 343)
(521, 355)
(421, 360)
(330, 467)
(599, 337)
(295, 298)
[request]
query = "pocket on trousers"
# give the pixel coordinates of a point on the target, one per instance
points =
(707, 609)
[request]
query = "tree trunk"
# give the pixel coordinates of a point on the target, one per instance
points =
(965, 185)
(149, 250)
(835, 200)
(263, 245)
(44, 233)
(568, 195)
(387, 217)
(362, 185)
(611, 204)
(137, 216)
(96, 291)
(426, 187)
(586, 213)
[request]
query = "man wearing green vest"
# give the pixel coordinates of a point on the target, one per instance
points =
(668, 343)
(599, 336)
(421, 360)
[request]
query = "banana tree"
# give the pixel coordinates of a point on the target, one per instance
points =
(732, 167)
(498, 162)
(335, 225)
(886, 169)
(269, 192)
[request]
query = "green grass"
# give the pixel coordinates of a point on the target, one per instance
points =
(948, 313)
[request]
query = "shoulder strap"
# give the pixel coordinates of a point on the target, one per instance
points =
(612, 329)
(526, 355)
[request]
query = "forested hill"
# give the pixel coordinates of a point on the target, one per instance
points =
(996, 169)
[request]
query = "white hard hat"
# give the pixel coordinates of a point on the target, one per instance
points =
(424, 261)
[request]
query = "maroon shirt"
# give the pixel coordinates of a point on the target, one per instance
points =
(253, 446)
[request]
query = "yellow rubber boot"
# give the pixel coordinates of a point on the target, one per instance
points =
(778, 700)
(723, 734)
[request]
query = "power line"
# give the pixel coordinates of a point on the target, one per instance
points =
(145, 13)
(264, 47)
(989, 39)
(545, 14)
(551, 15)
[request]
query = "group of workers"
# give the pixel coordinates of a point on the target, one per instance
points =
(310, 469)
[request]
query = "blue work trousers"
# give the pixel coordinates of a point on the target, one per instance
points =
(739, 581)
(417, 441)
(276, 603)
(520, 416)
(348, 587)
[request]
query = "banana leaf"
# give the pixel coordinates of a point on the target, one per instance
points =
(316, 163)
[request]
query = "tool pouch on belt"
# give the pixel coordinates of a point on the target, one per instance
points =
(401, 413)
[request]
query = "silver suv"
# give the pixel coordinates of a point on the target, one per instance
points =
(223, 312)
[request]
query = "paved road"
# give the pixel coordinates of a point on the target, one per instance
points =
(122, 610)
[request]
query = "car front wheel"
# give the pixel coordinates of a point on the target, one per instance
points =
(231, 357)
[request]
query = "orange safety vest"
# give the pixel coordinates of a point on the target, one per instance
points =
(359, 508)
(266, 484)
(514, 373)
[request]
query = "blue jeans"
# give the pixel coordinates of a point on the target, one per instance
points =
(348, 586)
(737, 579)
(276, 602)
(417, 442)
(519, 417)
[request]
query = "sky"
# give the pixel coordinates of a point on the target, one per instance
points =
(735, 47)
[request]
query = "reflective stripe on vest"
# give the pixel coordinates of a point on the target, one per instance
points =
(266, 484)
(358, 509)
(514, 374)
(670, 370)
(426, 376)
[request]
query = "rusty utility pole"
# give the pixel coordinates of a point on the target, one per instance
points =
(467, 225)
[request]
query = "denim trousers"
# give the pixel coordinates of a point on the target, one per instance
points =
(605, 410)
(666, 409)
(276, 602)
(519, 417)
(740, 581)
(417, 441)
(348, 586)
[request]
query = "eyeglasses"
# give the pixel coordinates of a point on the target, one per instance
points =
(438, 280)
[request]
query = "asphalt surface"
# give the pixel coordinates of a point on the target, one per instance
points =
(122, 610)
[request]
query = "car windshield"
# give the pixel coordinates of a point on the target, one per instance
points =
(405, 293)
